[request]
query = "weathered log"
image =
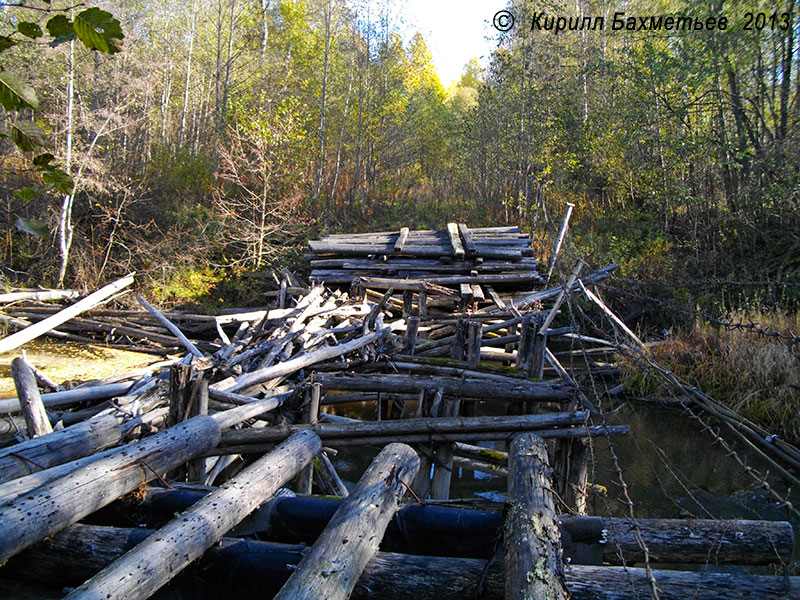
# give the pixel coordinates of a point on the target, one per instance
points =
(30, 401)
(615, 320)
(58, 447)
(401, 239)
(559, 240)
(444, 425)
(71, 397)
(248, 569)
(15, 340)
(53, 506)
(534, 564)
(39, 295)
(305, 360)
(471, 533)
(328, 478)
(333, 565)
(169, 550)
(466, 237)
(433, 437)
(490, 391)
(173, 329)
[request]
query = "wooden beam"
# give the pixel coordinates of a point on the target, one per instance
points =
(401, 239)
(455, 240)
(466, 237)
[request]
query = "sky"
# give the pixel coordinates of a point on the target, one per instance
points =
(455, 31)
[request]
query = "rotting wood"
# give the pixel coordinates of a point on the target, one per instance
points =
(455, 240)
(469, 244)
(534, 565)
(559, 240)
(30, 401)
(152, 563)
(332, 567)
(401, 239)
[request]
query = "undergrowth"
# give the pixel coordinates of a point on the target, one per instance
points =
(755, 375)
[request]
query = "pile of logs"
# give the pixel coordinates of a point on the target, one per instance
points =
(458, 255)
(172, 481)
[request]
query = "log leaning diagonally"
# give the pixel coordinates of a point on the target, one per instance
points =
(55, 505)
(333, 565)
(151, 564)
(15, 340)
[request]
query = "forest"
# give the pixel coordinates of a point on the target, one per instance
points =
(207, 139)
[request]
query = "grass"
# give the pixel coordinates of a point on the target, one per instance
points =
(755, 375)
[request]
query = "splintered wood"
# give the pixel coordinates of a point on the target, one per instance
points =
(445, 336)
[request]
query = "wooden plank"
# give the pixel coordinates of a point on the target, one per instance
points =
(559, 240)
(332, 567)
(155, 561)
(401, 239)
(455, 240)
(534, 565)
(466, 237)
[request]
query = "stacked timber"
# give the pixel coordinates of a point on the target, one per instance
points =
(452, 257)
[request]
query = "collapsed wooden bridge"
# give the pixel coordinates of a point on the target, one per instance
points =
(443, 337)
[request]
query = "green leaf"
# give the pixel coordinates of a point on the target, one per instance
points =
(35, 227)
(98, 30)
(58, 179)
(43, 160)
(27, 136)
(6, 42)
(27, 194)
(28, 29)
(60, 27)
(15, 94)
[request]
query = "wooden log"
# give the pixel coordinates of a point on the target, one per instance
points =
(173, 329)
(534, 566)
(442, 425)
(155, 561)
(483, 389)
(196, 467)
(559, 240)
(39, 295)
(58, 447)
(305, 477)
(333, 565)
(412, 328)
(30, 401)
(429, 438)
(471, 533)
(71, 397)
(52, 506)
(244, 569)
(300, 362)
(15, 340)
(401, 239)
(541, 295)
